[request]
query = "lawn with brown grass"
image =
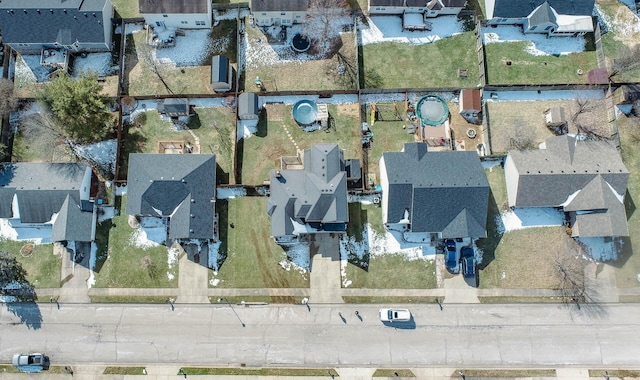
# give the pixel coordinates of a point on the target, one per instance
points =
(278, 134)
(524, 121)
(389, 136)
(286, 74)
(621, 38)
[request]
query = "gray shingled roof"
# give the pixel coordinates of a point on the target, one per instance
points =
(181, 186)
(522, 8)
(279, 5)
(48, 21)
(172, 6)
(219, 69)
(248, 105)
(317, 194)
(584, 177)
(542, 15)
(444, 192)
(44, 189)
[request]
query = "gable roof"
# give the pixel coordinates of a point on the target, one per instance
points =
(542, 15)
(522, 8)
(315, 195)
(444, 192)
(279, 5)
(173, 6)
(587, 178)
(43, 190)
(470, 100)
(178, 186)
(62, 21)
(248, 105)
(220, 69)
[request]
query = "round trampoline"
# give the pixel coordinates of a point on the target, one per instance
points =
(432, 110)
(300, 43)
(305, 112)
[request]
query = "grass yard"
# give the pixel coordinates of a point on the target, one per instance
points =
(628, 263)
(126, 8)
(259, 154)
(213, 126)
(523, 121)
(289, 74)
(177, 80)
(400, 65)
(388, 271)
(122, 264)
(621, 37)
(42, 267)
(252, 257)
(389, 136)
(528, 69)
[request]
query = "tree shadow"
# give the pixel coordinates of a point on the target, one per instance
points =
(222, 207)
(358, 219)
(102, 241)
(261, 130)
(495, 230)
(239, 160)
(132, 141)
(194, 121)
(28, 312)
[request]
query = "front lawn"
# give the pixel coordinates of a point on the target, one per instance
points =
(127, 263)
(277, 137)
(42, 266)
(252, 257)
(509, 63)
(403, 65)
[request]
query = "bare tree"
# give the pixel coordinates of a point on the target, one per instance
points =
(584, 117)
(146, 54)
(569, 272)
(523, 137)
(628, 60)
(325, 20)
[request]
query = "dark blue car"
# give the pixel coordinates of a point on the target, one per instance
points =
(452, 260)
(468, 262)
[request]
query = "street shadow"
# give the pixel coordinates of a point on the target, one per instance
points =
(28, 312)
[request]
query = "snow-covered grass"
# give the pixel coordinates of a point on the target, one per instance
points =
(96, 62)
(516, 96)
(230, 192)
(172, 260)
(190, 50)
(102, 153)
(151, 233)
(389, 29)
(92, 265)
(539, 44)
(519, 218)
(258, 52)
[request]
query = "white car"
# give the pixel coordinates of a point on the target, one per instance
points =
(30, 362)
(394, 315)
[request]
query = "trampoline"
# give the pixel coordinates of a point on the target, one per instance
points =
(432, 110)
(305, 112)
(300, 43)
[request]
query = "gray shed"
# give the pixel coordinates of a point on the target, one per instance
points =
(248, 106)
(554, 117)
(221, 73)
(175, 107)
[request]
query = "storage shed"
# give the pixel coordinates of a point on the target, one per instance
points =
(248, 108)
(554, 117)
(174, 107)
(221, 73)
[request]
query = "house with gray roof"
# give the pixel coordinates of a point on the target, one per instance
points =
(310, 200)
(184, 14)
(429, 8)
(72, 25)
(586, 179)
(51, 202)
(428, 196)
(279, 12)
(178, 190)
(550, 17)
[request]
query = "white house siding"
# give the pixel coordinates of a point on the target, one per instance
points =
(107, 15)
(286, 18)
(393, 10)
(511, 176)
(85, 191)
(489, 5)
(183, 20)
(384, 183)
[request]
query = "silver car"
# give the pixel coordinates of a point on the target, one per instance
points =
(394, 315)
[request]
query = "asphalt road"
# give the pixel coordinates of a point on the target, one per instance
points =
(480, 335)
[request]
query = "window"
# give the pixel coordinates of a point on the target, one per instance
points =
(200, 23)
(165, 16)
(548, 27)
(282, 14)
(264, 13)
(533, 27)
(186, 22)
(297, 16)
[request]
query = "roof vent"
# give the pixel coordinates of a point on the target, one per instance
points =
(193, 200)
(25, 11)
(192, 215)
(183, 180)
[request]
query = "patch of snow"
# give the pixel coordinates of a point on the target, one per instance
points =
(497, 96)
(213, 255)
(600, 248)
(121, 190)
(214, 281)
(389, 29)
(623, 26)
(28, 67)
(246, 128)
(190, 50)
(207, 102)
(96, 62)
(538, 44)
(297, 257)
(106, 213)
(365, 199)
(151, 233)
(230, 192)
(102, 153)
(292, 99)
(259, 53)
(230, 14)
(132, 28)
(299, 228)
(7, 231)
(520, 218)
(490, 164)
(172, 260)
(92, 264)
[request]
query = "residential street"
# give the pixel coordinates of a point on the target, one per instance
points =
(473, 335)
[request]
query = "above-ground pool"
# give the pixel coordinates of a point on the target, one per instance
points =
(305, 112)
(432, 110)
(300, 43)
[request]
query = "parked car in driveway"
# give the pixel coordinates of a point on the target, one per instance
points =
(468, 262)
(33, 362)
(394, 315)
(452, 258)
